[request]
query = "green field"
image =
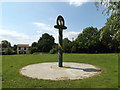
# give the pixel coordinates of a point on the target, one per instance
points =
(11, 64)
(0, 71)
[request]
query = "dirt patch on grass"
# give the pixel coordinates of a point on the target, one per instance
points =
(51, 71)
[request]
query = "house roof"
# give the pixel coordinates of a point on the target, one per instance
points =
(23, 45)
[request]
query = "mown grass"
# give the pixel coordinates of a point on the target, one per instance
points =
(107, 79)
(0, 71)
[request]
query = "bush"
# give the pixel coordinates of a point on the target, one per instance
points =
(33, 49)
(8, 51)
(53, 51)
(73, 49)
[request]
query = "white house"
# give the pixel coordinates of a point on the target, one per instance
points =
(23, 49)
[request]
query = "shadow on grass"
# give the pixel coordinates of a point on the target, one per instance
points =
(86, 69)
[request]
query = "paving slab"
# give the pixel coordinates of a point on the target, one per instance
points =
(51, 71)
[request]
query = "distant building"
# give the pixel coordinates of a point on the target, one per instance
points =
(23, 49)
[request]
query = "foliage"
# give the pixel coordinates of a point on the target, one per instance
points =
(34, 44)
(67, 45)
(45, 43)
(33, 49)
(5, 44)
(110, 6)
(54, 49)
(107, 38)
(15, 49)
(113, 22)
(88, 39)
(114, 26)
(74, 48)
(8, 51)
(110, 33)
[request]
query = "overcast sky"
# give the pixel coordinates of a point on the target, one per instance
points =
(25, 22)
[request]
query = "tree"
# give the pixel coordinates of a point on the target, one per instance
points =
(74, 48)
(109, 5)
(114, 26)
(15, 49)
(45, 43)
(67, 45)
(88, 40)
(54, 49)
(109, 39)
(8, 51)
(34, 44)
(5, 44)
(33, 49)
(111, 30)
(113, 22)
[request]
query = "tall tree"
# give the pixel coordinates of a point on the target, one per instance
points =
(110, 6)
(34, 47)
(15, 49)
(74, 48)
(67, 45)
(110, 33)
(113, 22)
(5, 44)
(45, 43)
(34, 44)
(88, 40)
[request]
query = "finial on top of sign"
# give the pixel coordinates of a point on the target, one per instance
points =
(60, 23)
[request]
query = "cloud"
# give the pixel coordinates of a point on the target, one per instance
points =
(45, 28)
(78, 2)
(71, 35)
(16, 38)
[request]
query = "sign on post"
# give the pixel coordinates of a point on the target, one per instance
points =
(60, 25)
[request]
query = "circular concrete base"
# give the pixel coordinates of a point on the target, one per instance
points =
(51, 71)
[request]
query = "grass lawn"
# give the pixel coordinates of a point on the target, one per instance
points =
(0, 71)
(107, 79)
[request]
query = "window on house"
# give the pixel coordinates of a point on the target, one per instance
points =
(19, 48)
(24, 48)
